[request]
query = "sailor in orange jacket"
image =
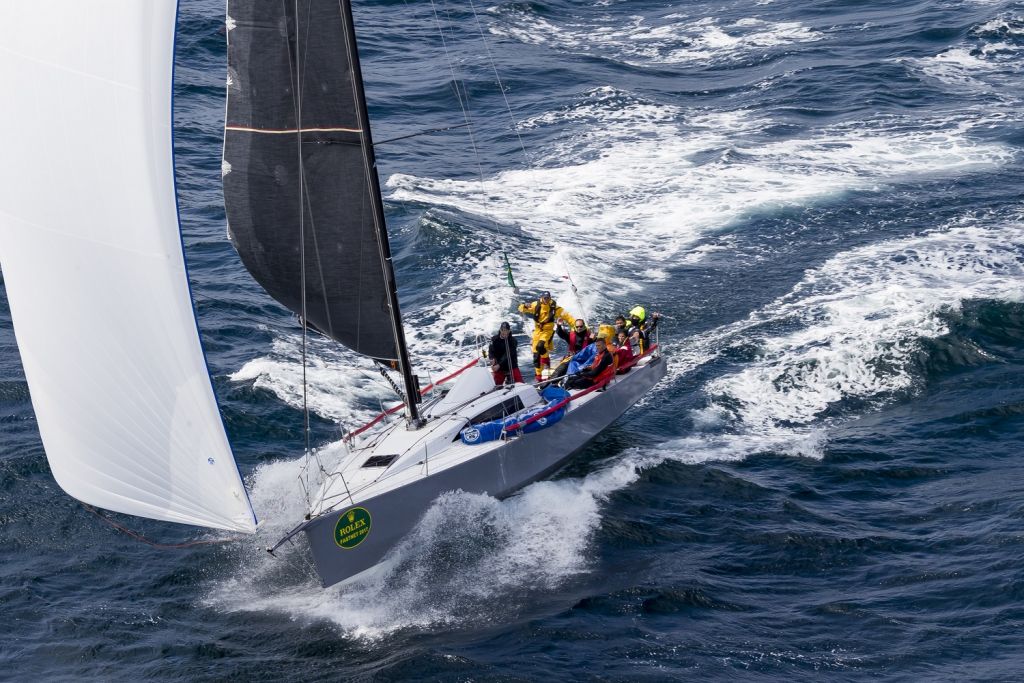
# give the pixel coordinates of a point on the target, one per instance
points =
(600, 369)
(545, 311)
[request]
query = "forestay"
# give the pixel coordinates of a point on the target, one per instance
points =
(93, 265)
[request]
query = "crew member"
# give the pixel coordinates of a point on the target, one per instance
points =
(544, 312)
(598, 371)
(576, 338)
(640, 328)
(503, 355)
(625, 354)
(620, 324)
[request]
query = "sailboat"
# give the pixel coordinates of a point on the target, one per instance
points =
(93, 263)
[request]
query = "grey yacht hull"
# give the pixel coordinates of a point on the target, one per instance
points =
(354, 538)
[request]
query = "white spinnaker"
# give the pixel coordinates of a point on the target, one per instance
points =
(93, 265)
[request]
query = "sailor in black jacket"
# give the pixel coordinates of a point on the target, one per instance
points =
(504, 355)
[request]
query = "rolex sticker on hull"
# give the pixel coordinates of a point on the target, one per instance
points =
(352, 528)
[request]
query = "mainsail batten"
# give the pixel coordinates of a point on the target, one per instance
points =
(93, 264)
(289, 73)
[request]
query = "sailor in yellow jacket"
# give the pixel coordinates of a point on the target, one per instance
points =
(545, 311)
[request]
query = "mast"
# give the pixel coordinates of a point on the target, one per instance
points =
(412, 394)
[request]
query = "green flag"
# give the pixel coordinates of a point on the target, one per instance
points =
(508, 273)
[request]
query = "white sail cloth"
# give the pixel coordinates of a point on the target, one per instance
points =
(93, 266)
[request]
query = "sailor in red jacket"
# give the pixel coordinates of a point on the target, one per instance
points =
(576, 338)
(624, 352)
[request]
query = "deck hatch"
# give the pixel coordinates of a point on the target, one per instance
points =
(380, 460)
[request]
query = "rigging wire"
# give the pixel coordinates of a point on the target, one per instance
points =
(501, 86)
(297, 105)
(458, 95)
(297, 69)
(441, 129)
(531, 166)
(575, 292)
(139, 537)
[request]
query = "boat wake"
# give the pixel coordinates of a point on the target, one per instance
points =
(678, 178)
(847, 339)
(682, 179)
(844, 340)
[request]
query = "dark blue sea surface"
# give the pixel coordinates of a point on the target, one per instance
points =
(826, 200)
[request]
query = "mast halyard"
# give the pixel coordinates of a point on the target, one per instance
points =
(379, 223)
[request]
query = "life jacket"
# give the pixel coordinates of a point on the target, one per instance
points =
(608, 371)
(642, 338)
(551, 312)
(625, 357)
(576, 342)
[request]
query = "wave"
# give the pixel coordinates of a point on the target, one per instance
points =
(336, 388)
(989, 61)
(652, 41)
(982, 332)
(856, 325)
(470, 561)
(628, 168)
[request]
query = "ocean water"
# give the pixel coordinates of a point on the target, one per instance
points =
(826, 200)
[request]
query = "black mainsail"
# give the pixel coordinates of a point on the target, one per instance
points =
(301, 189)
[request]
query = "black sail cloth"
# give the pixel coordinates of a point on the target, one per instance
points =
(278, 77)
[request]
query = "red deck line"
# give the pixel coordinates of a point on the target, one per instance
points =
(564, 402)
(395, 409)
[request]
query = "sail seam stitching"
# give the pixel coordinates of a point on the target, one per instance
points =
(287, 131)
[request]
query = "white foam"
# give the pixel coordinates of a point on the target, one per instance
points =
(989, 61)
(859, 322)
(1004, 25)
(467, 553)
(338, 387)
(960, 67)
(634, 173)
(472, 559)
(672, 39)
